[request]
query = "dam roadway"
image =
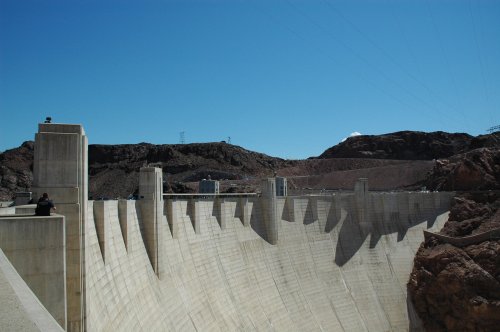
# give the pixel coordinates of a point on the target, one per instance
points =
(331, 269)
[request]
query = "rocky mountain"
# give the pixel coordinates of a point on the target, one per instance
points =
(458, 288)
(478, 169)
(16, 170)
(408, 145)
(114, 169)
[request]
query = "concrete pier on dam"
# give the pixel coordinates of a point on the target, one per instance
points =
(239, 262)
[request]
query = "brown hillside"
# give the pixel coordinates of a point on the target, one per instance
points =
(403, 145)
(458, 288)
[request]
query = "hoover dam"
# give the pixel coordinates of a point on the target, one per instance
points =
(336, 262)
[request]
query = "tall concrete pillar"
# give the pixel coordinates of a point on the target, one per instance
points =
(270, 210)
(60, 169)
(245, 211)
(151, 207)
(222, 209)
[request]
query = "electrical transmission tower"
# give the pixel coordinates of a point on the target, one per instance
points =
(229, 140)
(182, 137)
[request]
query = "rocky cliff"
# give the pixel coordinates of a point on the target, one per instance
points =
(16, 170)
(113, 169)
(458, 288)
(408, 145)
(478, 169)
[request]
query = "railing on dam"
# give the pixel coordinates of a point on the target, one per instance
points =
(493, 234)
(208, 195)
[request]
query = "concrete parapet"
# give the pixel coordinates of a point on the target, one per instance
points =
(25, 209)
(492, 234)
(36, 248)
(21, 310)
(61, 128)
(9, 210)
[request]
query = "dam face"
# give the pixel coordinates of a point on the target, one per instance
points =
(326, 271)
(238, 262)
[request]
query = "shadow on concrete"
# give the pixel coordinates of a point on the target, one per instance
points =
(351, 237)
(100, 236)
(216, 211)
(334, 217)
(352, 234)
(257, 221)
(287, 213)
(190, 212)
(238, 211)
(140, 222)
(309, 214)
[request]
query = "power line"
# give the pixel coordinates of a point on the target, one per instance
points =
(327, 55)
(443, 52)
(367, 62)
(339, 13)
(481, 62)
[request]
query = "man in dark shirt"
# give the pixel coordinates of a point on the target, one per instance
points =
(44, 205)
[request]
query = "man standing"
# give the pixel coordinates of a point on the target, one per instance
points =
(44, 205)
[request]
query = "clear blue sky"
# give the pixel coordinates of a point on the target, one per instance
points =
(288, 78)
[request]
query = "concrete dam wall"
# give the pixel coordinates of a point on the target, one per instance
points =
(340, 263)
(208, 262)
